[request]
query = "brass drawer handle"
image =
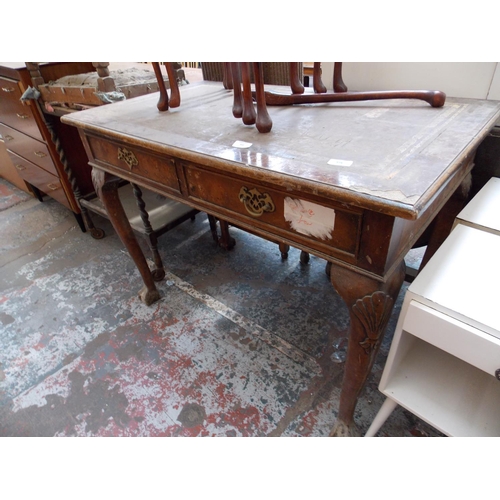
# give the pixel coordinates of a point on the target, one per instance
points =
(255, 202)
(20, 167)
(53, 187)
(8, 89)
(8, 137)
(39, 154)
(128, 157)
(22, 116)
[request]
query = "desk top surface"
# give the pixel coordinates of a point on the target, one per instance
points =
(391, 155)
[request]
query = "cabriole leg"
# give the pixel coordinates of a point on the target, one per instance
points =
(106, 188)
(370, 303)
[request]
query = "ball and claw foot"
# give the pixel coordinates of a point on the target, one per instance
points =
(341, 429)
(149, 297)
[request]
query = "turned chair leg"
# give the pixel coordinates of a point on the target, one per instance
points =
(175, 95)
(249, 115)
(318, 84)
(237, 96)
(284, 249)
(338, 83)
(264, 123)
(295, 83)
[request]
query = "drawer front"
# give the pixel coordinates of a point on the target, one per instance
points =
(131, 162)
(32, 150)
(331, 227)
(463, 341)
(43, 180)
(9, 90)
(13, 112)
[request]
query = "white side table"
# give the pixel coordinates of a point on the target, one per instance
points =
(444, 361)
(483, 211)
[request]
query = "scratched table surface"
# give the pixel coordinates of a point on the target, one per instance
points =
(390, 155)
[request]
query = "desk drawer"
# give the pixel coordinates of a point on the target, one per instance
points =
(32, 150)
(38, 177)
(9, 89)
(130, 162)
(331, 227)
(13, 112)
(463, 341)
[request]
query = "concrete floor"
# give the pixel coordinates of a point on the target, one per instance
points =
(241, 343)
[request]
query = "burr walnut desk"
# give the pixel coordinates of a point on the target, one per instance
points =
(354, 183)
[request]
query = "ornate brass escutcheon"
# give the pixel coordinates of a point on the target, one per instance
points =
(128, 157)
(255, 202)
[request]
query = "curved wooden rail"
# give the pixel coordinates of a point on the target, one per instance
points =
(434, 97)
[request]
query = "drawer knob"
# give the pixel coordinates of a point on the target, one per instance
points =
(497, 374)
(128, 157)
(255, 202)
(39, 154)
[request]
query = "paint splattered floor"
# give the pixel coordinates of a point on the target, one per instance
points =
(241, 343)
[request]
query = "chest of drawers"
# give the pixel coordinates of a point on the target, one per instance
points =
(34, 141)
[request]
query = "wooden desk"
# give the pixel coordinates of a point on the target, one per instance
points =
(353, 183)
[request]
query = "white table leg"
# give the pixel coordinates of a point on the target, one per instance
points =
(385, 410)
